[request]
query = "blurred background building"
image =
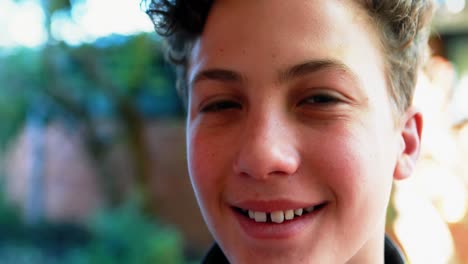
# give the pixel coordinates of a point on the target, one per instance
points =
(92, 145)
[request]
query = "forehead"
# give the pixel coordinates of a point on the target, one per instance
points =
(263, 36)
(231, 24)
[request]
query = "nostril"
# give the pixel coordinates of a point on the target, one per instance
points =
(278, 173)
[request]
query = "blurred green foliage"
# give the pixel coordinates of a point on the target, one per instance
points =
(125, 235)
(115, 78)
(20, 73)
(119, 80)
(457, 52)
(122, 80)
(119, 235)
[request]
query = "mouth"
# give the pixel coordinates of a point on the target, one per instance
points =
(279, 216)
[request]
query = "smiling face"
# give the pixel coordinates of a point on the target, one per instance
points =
(292, 142)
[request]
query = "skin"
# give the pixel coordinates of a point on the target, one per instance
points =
(296, 108)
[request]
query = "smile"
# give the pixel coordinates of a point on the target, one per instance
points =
(278, 216)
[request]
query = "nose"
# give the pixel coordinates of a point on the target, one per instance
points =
(267, 148)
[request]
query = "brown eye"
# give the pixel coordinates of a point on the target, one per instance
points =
(221, 106)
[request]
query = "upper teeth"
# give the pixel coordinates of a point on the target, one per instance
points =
(278, 216)
(260, 216)
(298, 211)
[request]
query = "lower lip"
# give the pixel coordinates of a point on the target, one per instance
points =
(285, 230)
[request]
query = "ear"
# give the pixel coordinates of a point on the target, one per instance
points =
(410, 132)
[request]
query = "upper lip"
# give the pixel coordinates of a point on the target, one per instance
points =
(274, 205)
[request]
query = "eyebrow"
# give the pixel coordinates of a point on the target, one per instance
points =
(216, 74)
(313, 66)
(283, 76)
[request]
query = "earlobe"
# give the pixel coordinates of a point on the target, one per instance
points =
(411, 130)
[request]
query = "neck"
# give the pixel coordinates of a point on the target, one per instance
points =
(372, 251)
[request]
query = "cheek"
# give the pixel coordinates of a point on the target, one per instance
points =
(198, 158)
(355, 169)
(204, 164)
(344, 167)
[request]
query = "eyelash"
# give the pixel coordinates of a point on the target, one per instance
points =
(220, 106)
(320, 99)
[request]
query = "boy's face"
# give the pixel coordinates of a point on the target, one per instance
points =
(288, 109)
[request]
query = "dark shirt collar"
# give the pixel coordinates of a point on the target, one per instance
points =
(392, 254)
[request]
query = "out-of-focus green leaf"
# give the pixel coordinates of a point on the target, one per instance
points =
(55, 5)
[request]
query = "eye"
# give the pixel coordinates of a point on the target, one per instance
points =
(320, 99)
(219, 106)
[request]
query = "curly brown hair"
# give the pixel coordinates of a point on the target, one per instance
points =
(403, 27)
